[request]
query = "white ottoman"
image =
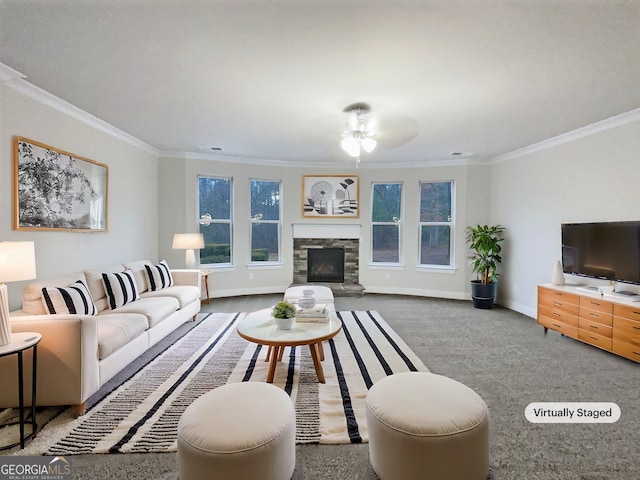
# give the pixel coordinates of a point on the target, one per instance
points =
(238, 431)
(323, 294)
(427, 426)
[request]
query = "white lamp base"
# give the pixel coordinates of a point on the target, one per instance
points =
(5, 324)
(190, 258)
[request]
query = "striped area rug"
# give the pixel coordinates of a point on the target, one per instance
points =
(142, 414)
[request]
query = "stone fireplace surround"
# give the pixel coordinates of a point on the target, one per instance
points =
(347, 236)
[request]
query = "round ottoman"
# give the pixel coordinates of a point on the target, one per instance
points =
(427, 426)
(236, 432)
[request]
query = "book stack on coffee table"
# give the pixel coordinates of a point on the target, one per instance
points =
(317, 313)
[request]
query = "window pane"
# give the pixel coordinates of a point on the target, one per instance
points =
(386, 202)
(217, 243)
(215, 197)
(435, 202)
(386, 244)
(264, 242)
(265, 199)
(435, 245)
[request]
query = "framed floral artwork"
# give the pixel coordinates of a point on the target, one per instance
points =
(57, 190)
(330, 196)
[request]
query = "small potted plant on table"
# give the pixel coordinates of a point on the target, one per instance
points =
(284, 314)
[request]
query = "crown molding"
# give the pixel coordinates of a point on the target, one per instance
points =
(17, 81)
(365, 165)
(601, 126)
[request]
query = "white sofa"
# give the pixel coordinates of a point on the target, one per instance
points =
(80, 353)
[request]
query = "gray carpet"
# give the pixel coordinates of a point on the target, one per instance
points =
(503, 356)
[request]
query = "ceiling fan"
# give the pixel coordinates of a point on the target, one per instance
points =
(360, 133)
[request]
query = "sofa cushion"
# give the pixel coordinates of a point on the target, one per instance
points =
(139, 272)
(32, 293)
(74, 299)
(155, 309)
(120, 288)
(96, 285)
(115, 330)
(158, 276)
(185, 294)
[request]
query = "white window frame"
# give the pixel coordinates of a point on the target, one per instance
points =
(228, 221)
(254, 221)
(451, 224)
(397, 222)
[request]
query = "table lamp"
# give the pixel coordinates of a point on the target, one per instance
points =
(17, 262)
(189, 242)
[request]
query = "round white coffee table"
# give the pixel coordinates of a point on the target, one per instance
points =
(259, 327)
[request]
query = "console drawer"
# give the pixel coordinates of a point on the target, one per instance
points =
(560, 315)
(562, 327)
(626, 349)
(559, 299)
(594, 339)
(626, 328)
(591, 326)
(596, 305)
(627, 311)
(596, 316)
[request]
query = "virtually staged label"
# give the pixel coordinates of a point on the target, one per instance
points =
(572, 412)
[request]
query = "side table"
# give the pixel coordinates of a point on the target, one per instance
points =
(204, 273)
(21, 342)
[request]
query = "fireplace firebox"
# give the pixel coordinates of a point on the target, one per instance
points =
(325, 265)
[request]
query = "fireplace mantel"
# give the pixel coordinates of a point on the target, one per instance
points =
(326, 230)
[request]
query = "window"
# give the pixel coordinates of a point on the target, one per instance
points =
(386, 200)
(436, 224)
(215, 213)
(265, 221)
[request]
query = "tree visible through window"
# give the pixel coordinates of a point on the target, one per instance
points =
(265, 221)
(215, 209)
(386, 204)
(436, 223)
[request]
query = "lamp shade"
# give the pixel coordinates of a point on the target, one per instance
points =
(188, 240)
(17, 261)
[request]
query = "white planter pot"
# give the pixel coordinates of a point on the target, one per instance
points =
(284, 323)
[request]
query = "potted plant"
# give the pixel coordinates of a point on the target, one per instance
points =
(484, 242)
(284, 314)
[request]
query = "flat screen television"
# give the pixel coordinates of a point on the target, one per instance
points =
(605, 250)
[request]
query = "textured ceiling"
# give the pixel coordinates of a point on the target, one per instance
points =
(269, 80)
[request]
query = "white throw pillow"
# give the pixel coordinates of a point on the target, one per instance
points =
(74, 299)
(158, 276)
(120, 288)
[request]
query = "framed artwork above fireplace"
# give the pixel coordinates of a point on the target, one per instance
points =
(330, 196)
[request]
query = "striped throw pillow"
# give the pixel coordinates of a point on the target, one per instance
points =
(158, 276)
(120, 287)
(74, 299)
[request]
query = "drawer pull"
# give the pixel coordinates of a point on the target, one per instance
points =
(595, 303)
(558, 315)
(593, 338)
(558, 304)
(636, 313)
(593, 326)
(636, 353)
(636, 328)
(636, 341)
(595, 315)
(556, 325)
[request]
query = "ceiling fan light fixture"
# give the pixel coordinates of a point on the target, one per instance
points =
(359, 134)
(369, 144)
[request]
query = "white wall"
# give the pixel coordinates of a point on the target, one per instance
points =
(592, 178)
(472, 202)
(132, 202)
